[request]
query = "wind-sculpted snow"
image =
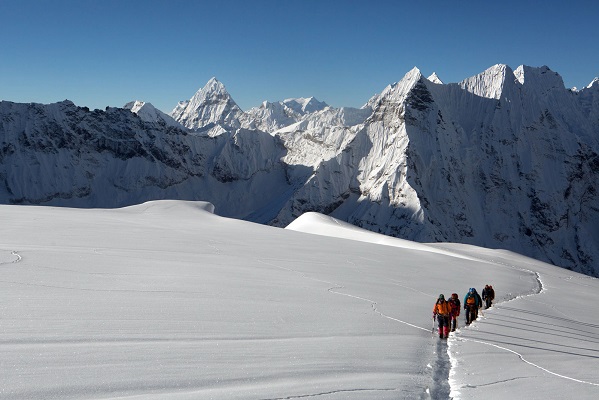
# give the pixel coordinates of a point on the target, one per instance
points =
(319, 224)
(174, 207)
(505, 159)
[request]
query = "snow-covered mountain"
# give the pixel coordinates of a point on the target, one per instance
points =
(211, 105)
(434, 78)
(272, 116)
(61, 154)
(505, 159)
(149, 113)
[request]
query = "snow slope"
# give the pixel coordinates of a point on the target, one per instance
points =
(165, 300)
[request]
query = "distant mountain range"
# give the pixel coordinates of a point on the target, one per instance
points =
(504, 159)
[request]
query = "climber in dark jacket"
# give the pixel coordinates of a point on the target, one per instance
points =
(488, 295)
(472, 302)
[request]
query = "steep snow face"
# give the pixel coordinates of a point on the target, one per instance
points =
(508, 167)
(396, 92)
(211, 105)
(489, 84)
(541, 77)
(149, 113)
(364, 183)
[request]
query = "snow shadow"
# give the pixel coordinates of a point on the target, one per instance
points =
(568, 333)
(561, 319)
(441, 367)
(533, 344)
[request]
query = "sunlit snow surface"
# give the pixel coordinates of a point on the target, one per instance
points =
(167, 300)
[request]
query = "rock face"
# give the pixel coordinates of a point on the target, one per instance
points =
(505, 159)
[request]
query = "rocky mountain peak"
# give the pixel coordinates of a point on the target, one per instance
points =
(211, 105)
(396, 92)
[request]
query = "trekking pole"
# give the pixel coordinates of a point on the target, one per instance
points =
(433, 328)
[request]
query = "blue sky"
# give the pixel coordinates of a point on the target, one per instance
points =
(100, 53)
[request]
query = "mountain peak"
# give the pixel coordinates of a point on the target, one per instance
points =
(434, 78)
(212, 104)
(395, 94)
(594, 83)
(490, 83)
(214, 84)
(414, 73)
(539, 76)
(305, 105)
(147, 112)
(212, 88)
(136, 105)
(401, 88)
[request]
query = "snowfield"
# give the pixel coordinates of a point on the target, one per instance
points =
(166, 300)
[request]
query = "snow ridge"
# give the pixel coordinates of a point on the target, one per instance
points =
(434, 78)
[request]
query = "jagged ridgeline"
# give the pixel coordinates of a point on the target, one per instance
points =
(505, 159)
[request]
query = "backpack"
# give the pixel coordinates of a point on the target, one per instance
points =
(471, 300)
(456, 300)
(454, 304)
